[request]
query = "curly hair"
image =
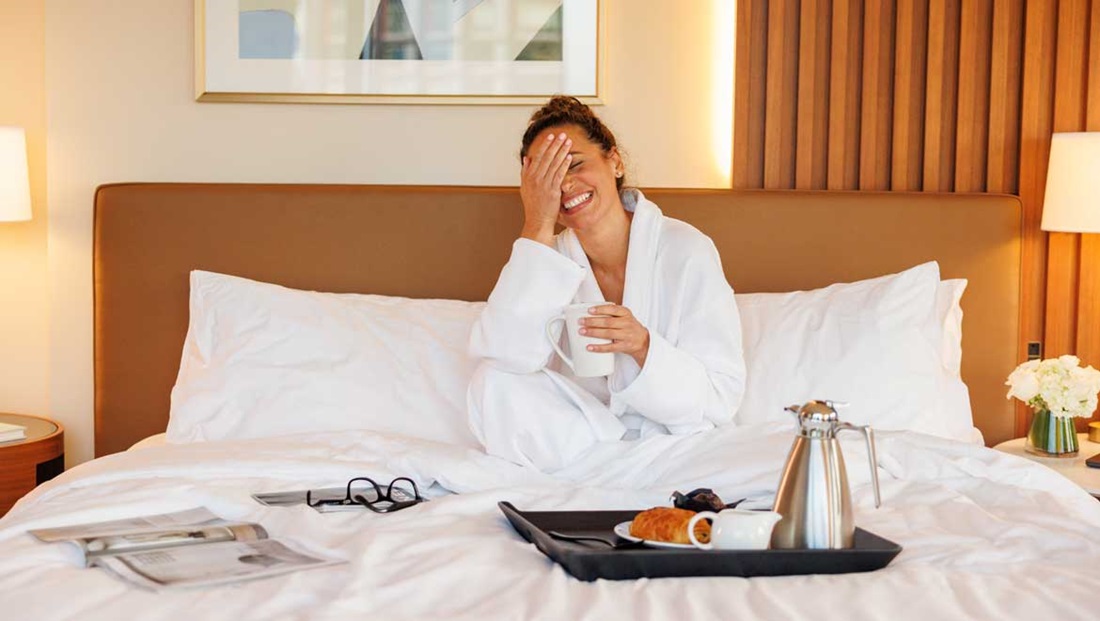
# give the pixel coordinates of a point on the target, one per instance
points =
(563, 110)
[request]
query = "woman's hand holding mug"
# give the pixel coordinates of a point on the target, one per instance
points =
(585, 362)
(618, 325)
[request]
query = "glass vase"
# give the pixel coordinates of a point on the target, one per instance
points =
(1052, 436)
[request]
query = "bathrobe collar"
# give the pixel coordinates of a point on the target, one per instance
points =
(641, 257)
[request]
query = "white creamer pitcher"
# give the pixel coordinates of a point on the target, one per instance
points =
(735, 529)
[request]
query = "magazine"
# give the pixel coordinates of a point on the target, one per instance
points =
(182, 549)
(9, 432)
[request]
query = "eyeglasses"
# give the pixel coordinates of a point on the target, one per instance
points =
(393, 499)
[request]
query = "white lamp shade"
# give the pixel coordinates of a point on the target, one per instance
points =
(1072, 203)
(15, 188)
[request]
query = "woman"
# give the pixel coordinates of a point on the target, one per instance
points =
(669, 314)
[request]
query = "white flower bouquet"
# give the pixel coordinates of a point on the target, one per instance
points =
(1059, 390)
(1057, 385)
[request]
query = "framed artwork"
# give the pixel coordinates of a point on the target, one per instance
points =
(398, 51)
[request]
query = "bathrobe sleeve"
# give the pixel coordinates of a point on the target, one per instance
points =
(533, 287)
(694, 373)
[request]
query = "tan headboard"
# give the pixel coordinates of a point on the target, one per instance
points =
(450, 242)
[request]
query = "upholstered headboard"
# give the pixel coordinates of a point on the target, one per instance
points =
(450, 242)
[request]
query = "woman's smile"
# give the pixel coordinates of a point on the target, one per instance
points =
(576, 202)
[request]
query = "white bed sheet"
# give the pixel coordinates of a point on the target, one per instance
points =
(985, 535)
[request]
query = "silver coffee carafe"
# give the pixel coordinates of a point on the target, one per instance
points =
(813, 495)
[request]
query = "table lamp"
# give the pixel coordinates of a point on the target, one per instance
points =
(15, 189)
(1072, 203)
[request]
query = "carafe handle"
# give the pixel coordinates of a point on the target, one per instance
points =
(869, 435)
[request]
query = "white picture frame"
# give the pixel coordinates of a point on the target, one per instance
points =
(398, 51)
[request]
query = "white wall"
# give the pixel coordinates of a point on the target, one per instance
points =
(121, 108)
(24, 280)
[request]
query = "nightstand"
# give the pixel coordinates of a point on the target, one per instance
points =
(1073, 468)
(26, 463)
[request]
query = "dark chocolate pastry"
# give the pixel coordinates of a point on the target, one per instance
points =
(702, 499)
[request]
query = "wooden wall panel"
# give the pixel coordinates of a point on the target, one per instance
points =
(845, 77)
(1070, 66)
(782, 92)
(1036, 126)
(876, 117)
(933, 95)
(942, 95)
(972, 128)
(812, 151)
(911, 45)
(1063, 255)
(1087, 346)
(749, 94)
(1088, 296)
(1063, 249)
(1005, 78)
(1092, 112)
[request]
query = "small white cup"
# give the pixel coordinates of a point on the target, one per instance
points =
(735, 529)
(584, 363)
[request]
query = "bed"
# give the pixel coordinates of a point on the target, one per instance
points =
(202, 289)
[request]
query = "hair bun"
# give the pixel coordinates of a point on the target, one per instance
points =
(567, 103)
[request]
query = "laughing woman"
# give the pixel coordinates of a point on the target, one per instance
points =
(658, 295)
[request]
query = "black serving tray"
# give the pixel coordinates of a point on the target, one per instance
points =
(588, 562)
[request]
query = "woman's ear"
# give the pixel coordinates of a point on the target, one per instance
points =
(616, 161)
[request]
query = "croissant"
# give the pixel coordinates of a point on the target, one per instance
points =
(669, 525)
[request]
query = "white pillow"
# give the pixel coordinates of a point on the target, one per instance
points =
(262, 360)
(947, 323)
(870, 343)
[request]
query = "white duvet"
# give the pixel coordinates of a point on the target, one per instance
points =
(985, 535)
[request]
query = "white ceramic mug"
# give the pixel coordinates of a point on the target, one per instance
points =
(735, 529)
(584, 363)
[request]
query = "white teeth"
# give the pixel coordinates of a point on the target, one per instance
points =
(578, 200)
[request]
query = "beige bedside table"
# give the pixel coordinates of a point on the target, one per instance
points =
(26, 463)
(1073, 468)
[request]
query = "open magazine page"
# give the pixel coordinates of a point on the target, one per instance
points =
(143, 524)
(191, 527)
(209, 564)
(134, 542)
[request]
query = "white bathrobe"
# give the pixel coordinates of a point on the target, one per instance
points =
(526, 406)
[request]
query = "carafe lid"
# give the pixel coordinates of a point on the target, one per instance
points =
(816, 417)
